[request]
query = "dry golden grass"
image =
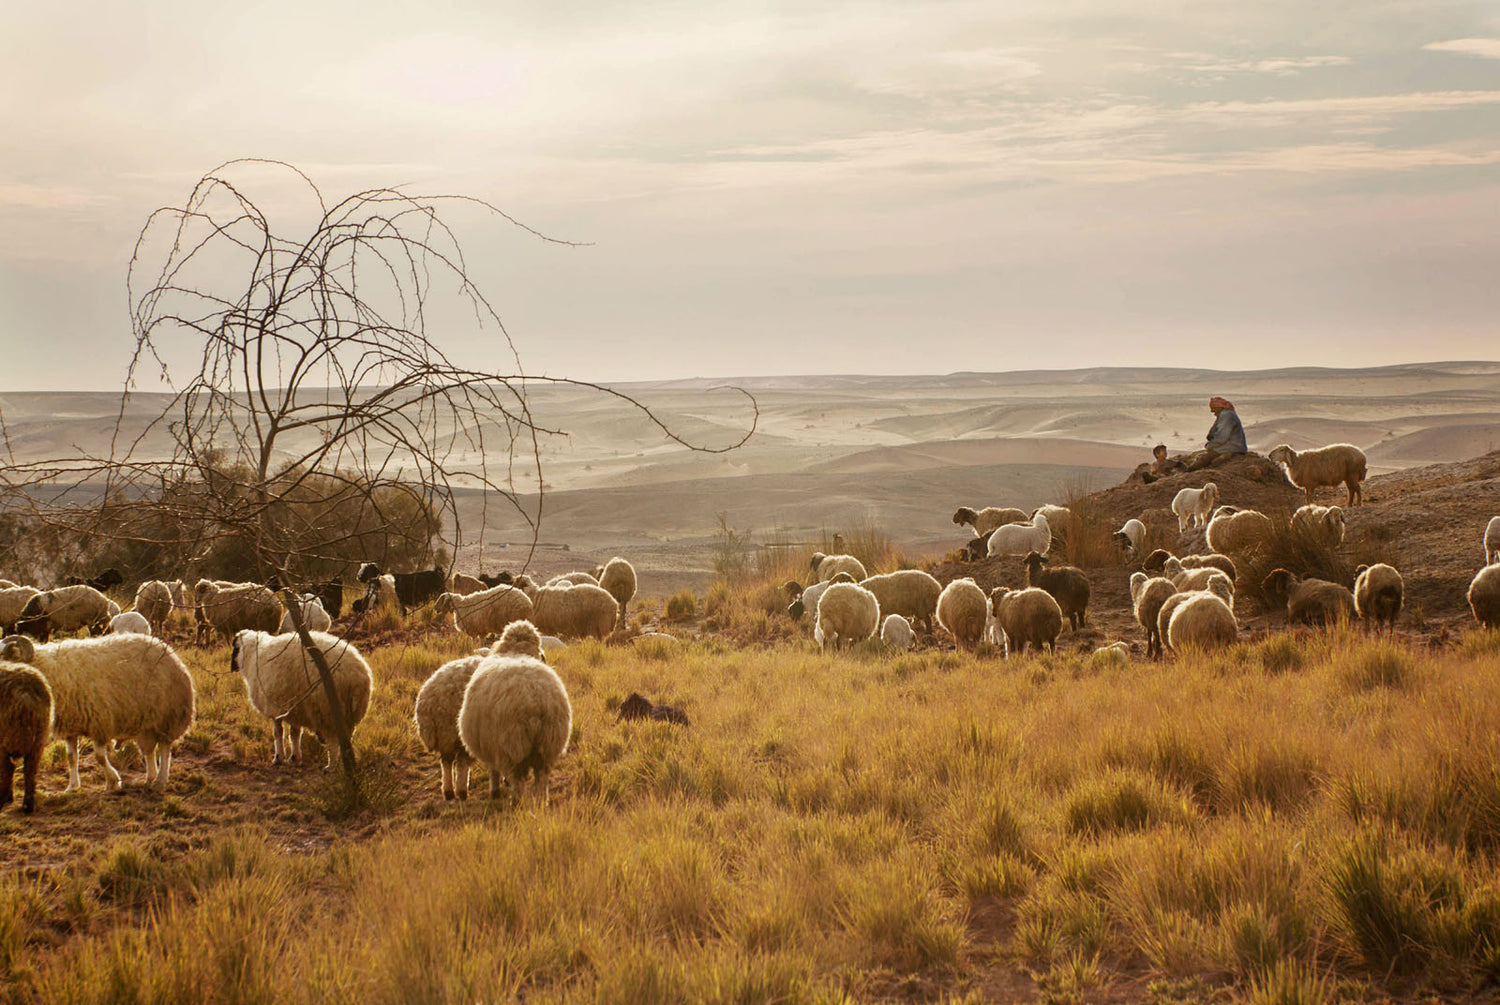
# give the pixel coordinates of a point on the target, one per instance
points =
(1277, 822)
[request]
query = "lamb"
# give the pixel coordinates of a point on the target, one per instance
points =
(442, 696)
(229, 608)
(464, 584)
(1325, 523)
(487, 612)
(1310, 470)
(1130, 537)
(283, 685)
(1193, 506)
(617, 576)
(517, 719)
(580, 610)
(1235, 532)
(1018, 539)
(803, 599)
(1378, 593)
(14, 600)
(897, 633)
(1066, 583)
(847, 613)
(977, 548)
(25, 728)
(1492, 541)
(962, 611)
(1030, 616)
(825, 567)
(314, 618)
(1484, 596)
(129, 623)
(1310, 601)
(1113, 652)
(911, 593)
(573, 579)
(985, 520)
(1202, 621)
(1147, 594)
(69, 608)
(118, 687)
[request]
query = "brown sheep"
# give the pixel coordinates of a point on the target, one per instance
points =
(1310, 601)
(1310, 470)
(1067, 584)
(25, 728)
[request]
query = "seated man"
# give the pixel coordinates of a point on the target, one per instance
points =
(1226, 437)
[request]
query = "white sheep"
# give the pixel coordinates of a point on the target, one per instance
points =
(1193, 506)
(1020, 538)
(985, 520)
(1130, 537)
(805, 599)
(229, 608)
(517, 719)
(314, 617)
(14, 600)
(442, 696)
(617, 576)
(1310, 470)
(553, 644)
(963, 612)
(575, 611)
(25, 728)
(896, 632)
(1484, 596)
(486, 612)
(847, 613)
(463, 584)
(1026, 617)
(911, 593)
(1378, 593)
(1058, 517)
(1147, 594)
(573, 579)
(117, 687)
(1116, 653)
(1492, 541)
(825, 567)
(153, 601)
(1237, 531)
(1325, 523)
(283, 685)
(69, 608)
(129, 623)
(1203, 621)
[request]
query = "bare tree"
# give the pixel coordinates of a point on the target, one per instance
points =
(317, 417)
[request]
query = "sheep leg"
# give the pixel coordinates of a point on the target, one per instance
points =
(277, 741)
(461, 775)
(73, 780)
(147, 747)
(294, 739)
(163, 764)
(111, 776)
(539, 787)
(494, 784)
(7, 776)
(447, 777)
(30, 769)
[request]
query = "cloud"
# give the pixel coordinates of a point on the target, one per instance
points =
(1486, 48)
(1281, 66)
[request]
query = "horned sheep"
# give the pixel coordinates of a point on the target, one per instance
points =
(1193, 506)
(487, 612)
(1019, 538)
(911, 593)
(284, 685)
(119, 687)
(1378, 594)
(517, 719)
(25, 729)
(847, 612)
(1484, 596)
(575, 611)
(985, 520)
(962, 611)
(1310, 470)
(1026, 617)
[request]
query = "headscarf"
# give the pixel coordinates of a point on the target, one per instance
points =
(1218, 402)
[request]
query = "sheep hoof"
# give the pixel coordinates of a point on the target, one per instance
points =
(463, 795)
(447, 795)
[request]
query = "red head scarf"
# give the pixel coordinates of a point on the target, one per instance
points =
(1218, 402)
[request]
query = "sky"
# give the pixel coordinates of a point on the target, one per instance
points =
(808, 187)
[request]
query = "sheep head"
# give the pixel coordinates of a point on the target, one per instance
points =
(963, 515)
(1156, 560)
(1211, 492)
(1282, 454)
(792, 589)
(1279, 582)
(368, 572)
(817, 559)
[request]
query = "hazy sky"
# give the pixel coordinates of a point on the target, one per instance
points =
(804, 187)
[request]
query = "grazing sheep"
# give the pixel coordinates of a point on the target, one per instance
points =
(69, 608)
(1212, 580)
(977, 548)
(809, 597)
(129, 623)
(1310, 470)
(1378, 593)
(442, 696)
(1030, 616)
(1235, 532)
(617, 576)
(985, 520)
(1058, 517)
(552, 644)
(962, 611)
(897, 633)
(911, 593)
(1492, 541)
(1310, 601)
(13, 601)
(573, 579)
(1019, 538)
(847, 613)
(575, 611)
(1067, 584)
(1193, 506)
(1484, 596)
(119, 687)
(153, 601)
(1111, 652)
(517, 719)
(230, 608)
(1201, 620)
(463, 584)
(487, 612)
(1223, 563)
(314, 618)
(1147, 594)
(1324, 523)
(283, 685)
(1130, 537)
(25, 729)
(825, 567)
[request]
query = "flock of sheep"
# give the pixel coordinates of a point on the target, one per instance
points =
(502, 705)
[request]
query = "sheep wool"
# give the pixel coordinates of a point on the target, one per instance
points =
(897, 633)
(1484, 596)
(1310, 601)
(575, 611)
(847, 613)
(517, 719)
(825, 567)
(314, 617)
(13, 601)
(985, 520)
(962, 611)
(116, 687)
(153, 601)
(69, 608)
(1147, 595)
(1130, 537)
(1311, 470)
(1202, 621)
(1027, 617)
(911, 593)
(486, 612)
(1018, 539)
(1239, 531)
(1324, 524)
(1193, 506)
(436, 716)
(25, 728)
(229, 608)
(283, 685)
(464, 584)
(617, 576)
(1492, 541)
(1066, 583)
(129, 623)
